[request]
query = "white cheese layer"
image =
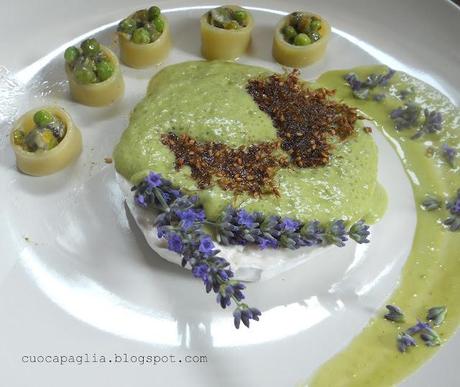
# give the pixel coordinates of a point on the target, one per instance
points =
(249, 263)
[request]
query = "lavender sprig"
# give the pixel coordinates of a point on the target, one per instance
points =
(359, 232)
(238, 227)
(405, 117)
(405, 341)
(337, 233)
(429, 336)
(432, 124)
(431, 203)
(449, 154)
(394, 314)
(437, 315)
(417, 328)
(453, 221)
(180, 221)
(361, 89)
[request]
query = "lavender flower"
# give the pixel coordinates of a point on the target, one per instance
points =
(245, 314)
(245, 219)
(313, 233)
(175, 243)
(432, 124)
(180, 220)
(378, 97)
(289, 225)
(420, 326)
(153, 179)
(431, 203)
(449, 154)
(206, 245)
(405, 341)
(394, 314)
(359, 232)
(189, 217)
(337, 233)
(405, 117)
(437, 314)
(430, 337)
(453, 221)
(140, 200)
(361, 90)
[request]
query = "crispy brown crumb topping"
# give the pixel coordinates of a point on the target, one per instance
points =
(245, 169)
(305, 120)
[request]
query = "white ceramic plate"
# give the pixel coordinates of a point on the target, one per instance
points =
(77, 277)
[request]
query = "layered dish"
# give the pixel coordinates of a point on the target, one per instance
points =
(239, 173)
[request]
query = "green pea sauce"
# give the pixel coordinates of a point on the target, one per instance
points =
(208, 101)
(431, 274)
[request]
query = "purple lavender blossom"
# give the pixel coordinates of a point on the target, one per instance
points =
(201, 271)
(420, 326)
(361, 89)
(405, 341)
(153, 179)
(449, 154)
(405, 117)
(180, 219)
(289, 225)
(359, 232)
(189, 217)
(206, 245)
(337, 234)
(245, 219)
(140, 200)
(245, 314)
(175, 243)
(394, 314)
(266, 243)
(432, 124)
(453, 221)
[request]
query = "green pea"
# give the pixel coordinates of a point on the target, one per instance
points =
(154, 12)
(154, 35)
(315, 25)
(315, 36)
(90, 47)
(302, 40)
(104, 70)
(71, 54)
(43, 118)
(141, 36)
(127, 25)
(232, 25)
(240, 16)
(18, 137)
(85, 75)
(289, 33)
(159, 24)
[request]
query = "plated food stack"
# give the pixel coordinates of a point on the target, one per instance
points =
(300, 39)
(94, 74)
(226, 32)
(45, 141)
(144, 37)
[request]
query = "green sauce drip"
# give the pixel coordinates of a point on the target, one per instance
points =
(432, 271)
